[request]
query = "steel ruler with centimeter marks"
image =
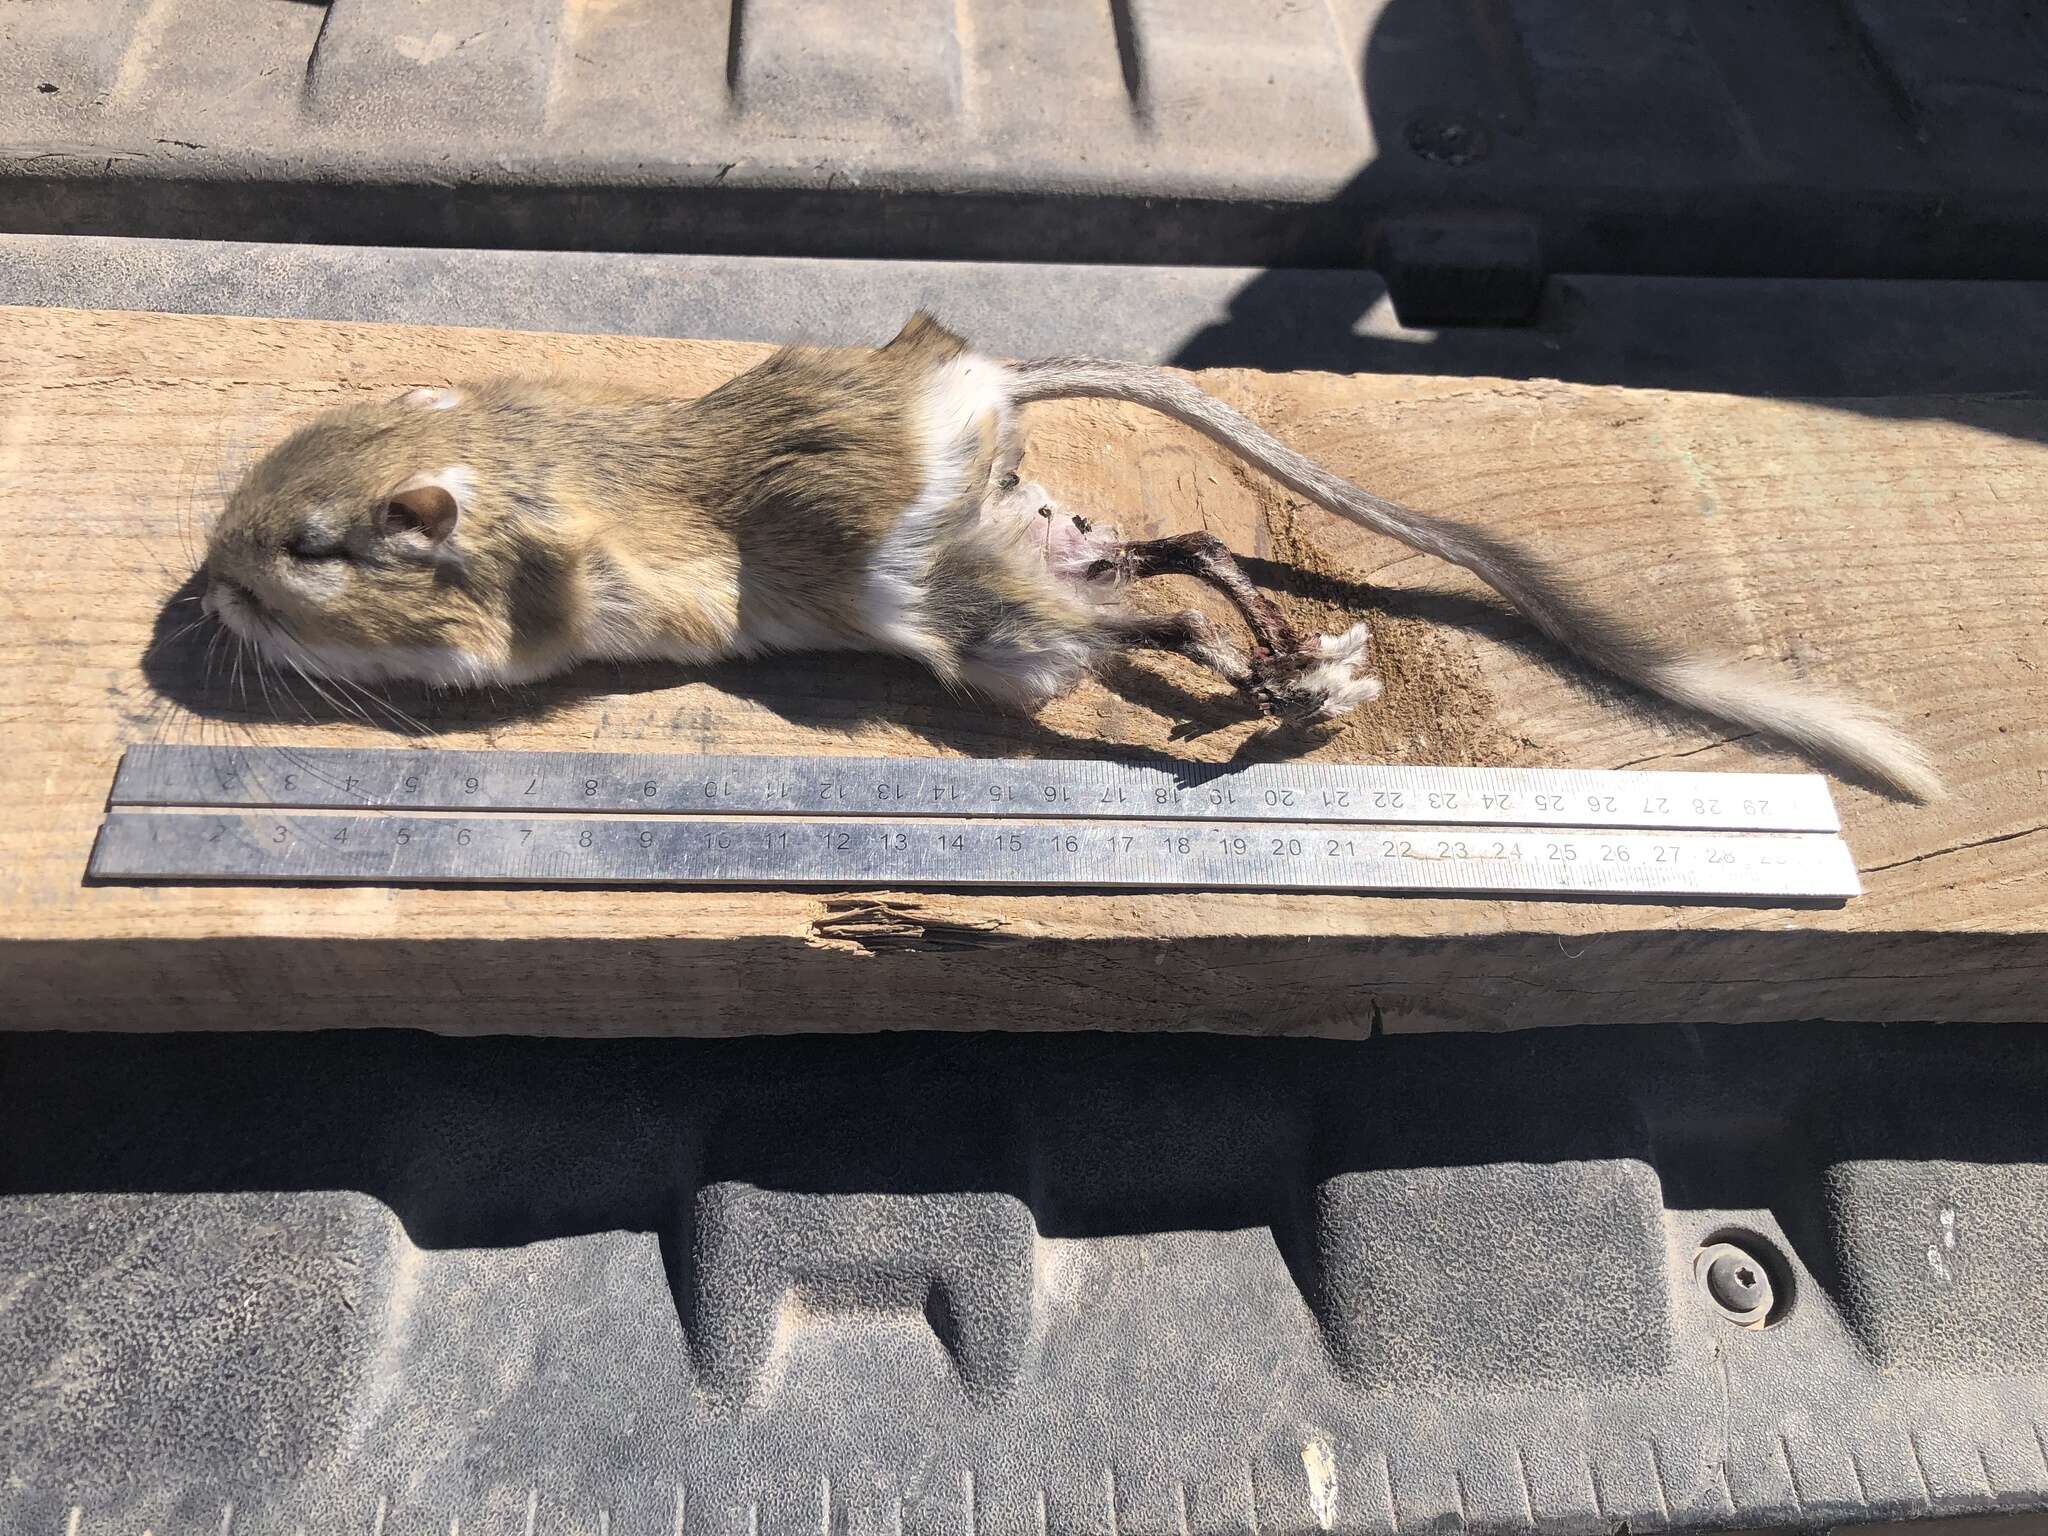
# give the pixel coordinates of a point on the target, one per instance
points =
(403, 816)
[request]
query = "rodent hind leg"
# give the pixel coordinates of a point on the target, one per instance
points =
(1207, 558)
(1317, 678)
(1034, 653)
(1023, 640)
(1188, 633)
(1039, 646)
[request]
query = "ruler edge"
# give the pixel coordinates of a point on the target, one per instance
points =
(1634, 897)
(133, 753)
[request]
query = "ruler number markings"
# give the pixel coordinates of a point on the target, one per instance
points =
(369, 778)
(566, 817)
(1178, 855)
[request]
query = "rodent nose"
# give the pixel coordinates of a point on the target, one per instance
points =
(219, 589)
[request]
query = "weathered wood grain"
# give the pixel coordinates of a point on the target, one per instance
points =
(1895, 546)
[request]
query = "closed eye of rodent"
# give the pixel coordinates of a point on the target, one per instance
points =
(317, 552)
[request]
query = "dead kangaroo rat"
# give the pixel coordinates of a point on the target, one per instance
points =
(849, 499)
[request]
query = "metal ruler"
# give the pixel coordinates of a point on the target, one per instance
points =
(402, 816)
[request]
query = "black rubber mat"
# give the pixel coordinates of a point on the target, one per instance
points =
(1117, 1284)
(1459, 148)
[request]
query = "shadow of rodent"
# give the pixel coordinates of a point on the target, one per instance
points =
(186, 664)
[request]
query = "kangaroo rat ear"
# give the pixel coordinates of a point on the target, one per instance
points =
(427, 507)
(427, 398)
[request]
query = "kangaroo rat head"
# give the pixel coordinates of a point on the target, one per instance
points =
(380, 541)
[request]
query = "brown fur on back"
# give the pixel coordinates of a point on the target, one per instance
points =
(807, 461)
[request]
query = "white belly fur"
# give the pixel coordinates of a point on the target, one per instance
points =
(959, 398)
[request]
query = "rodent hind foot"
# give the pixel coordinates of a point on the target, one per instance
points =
(1328, 677)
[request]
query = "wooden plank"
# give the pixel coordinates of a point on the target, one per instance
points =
(1894, 546)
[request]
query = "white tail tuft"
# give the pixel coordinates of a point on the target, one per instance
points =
(1824, 725)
